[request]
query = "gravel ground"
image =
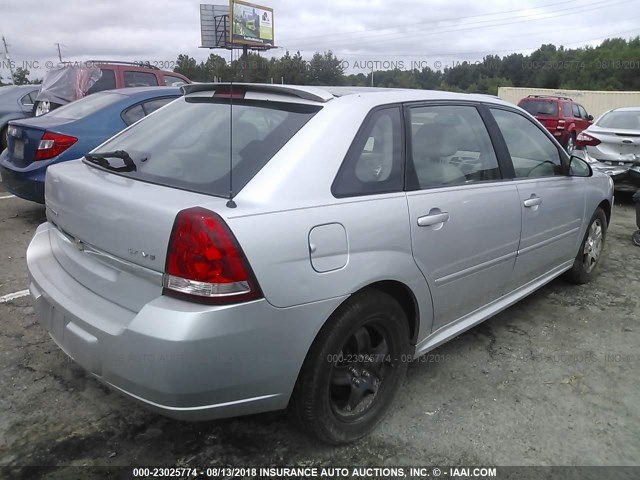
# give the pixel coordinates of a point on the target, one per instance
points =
(550, 381)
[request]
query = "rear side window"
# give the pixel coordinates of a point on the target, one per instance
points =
(135, 113)
(566, 109)
(171, 81)
(86, 106)
(106, 82)
(374, 161)
(540, 107)
(140, 79)
(188, 145)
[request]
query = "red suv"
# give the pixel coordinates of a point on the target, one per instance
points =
(563, 117)
(61, 87)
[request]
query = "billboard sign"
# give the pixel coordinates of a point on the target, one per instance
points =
(250, 24)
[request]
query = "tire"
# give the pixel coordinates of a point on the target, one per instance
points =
(47, 105)
(636, 238)
(571, 144)
(331, 378)
(3, 137)
(588, 257)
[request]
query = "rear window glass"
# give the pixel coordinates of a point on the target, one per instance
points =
(85, 106)
(188, 144)
(622, 120)
(540, 107)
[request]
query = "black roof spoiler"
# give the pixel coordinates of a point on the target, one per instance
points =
(313, 94)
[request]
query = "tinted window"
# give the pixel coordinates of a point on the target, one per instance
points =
(136, 112)
(583, 112)
(450, 146)
(153, 105)
(85, 106)
(374, 161)
(133, 114)
(576, 111)
(540, 107)
(187, 145)
(139, 79)
(106, 82)
(171, 81)
(620, 119)
(26, 100)
(533, 153)
(566, 109)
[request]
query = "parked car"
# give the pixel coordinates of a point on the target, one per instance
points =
(68, 133)
(16, 101)
(71, 82)
(300, 247)
(563, 117)
(612, 145)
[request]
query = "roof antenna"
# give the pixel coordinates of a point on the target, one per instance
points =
(230, 202)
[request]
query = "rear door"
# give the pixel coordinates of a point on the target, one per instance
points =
(552, 203)
(465, 220)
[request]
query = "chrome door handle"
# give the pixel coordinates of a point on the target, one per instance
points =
(532, 202)
(434, 219)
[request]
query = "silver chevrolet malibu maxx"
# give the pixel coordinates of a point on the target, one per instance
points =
(258, 247)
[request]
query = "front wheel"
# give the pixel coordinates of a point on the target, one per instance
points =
(353, 369)
(42, 107)
(588, 258)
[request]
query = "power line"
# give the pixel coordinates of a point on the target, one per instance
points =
(483, 52)
(465, 27)
(450, 19)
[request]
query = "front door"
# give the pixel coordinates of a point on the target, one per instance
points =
(552, 203)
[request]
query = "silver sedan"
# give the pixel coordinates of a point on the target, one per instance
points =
(259, 247)
(612, 146)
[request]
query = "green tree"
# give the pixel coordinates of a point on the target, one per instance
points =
(21, 76)
(325, 69)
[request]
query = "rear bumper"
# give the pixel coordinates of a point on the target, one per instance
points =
(29, 185)
(183, 360)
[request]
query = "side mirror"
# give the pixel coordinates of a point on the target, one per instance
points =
(579, 167)
(590, 118)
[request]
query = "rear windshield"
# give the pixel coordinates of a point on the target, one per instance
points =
(85, 106)
(540, 107)
(188, 143)
(622, 120)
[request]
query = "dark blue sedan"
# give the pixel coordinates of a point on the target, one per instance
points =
(70, 132)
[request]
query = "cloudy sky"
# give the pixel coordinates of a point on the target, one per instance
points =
(434, 33)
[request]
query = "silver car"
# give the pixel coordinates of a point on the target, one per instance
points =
(612, 145)
(255, 247)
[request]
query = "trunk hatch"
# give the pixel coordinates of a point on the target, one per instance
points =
(112, 234)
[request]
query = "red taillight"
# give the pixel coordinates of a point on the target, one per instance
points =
(228, 92)
(205, 263)
(561, 124)
(53, 144)
(586, 140)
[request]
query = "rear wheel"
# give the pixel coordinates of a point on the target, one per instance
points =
(588, 258)
(353, 369)
(636, 238)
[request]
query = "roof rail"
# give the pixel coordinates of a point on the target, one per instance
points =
(550, 96)
(314, 94)
(118, 62)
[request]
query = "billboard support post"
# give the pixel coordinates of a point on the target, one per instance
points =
(237, 24)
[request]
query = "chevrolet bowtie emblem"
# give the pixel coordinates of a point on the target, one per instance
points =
(79, 245)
